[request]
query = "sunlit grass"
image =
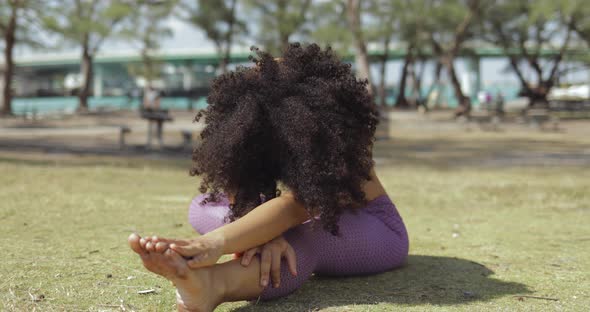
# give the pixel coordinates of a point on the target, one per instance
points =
(481, 237)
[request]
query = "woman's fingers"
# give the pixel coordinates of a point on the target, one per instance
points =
(179, 242)
(291, 260)
(275, 269)
(185, 250)
(197, 261)
(265, 261)
(248, 255)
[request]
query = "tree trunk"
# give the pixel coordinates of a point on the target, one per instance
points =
(383, 67)
(9, 39)
(363, 70)
(401, 100)
(538, 96)
(417, 79)
(284, 39)
(148, 67)
(228, 39)
(382, 92)
(86, 71)
(464, 104)
(435, 83)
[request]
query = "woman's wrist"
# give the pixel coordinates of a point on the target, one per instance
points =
(218, 238)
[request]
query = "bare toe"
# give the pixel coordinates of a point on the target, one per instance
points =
(149, 246)
(142, 242)
(133, 241)
(161, 247)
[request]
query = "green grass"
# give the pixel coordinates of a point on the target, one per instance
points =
(481, 236)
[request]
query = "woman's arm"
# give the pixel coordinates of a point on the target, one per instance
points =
(262, 224)
(259, 226)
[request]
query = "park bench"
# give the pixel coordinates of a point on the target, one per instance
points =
(570, 108)
(156, 117)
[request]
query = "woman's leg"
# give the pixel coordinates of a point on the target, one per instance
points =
(371, 241)
(205, 288)
(366, 245)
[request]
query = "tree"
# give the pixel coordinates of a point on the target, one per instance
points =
(8, 29)
(279, 20)
(146, 27)
(413, 33)
(448, 27)
(87, 23)
(363, 69)
(17, 25)
(580, 18)
(330, 27)
(219, 21)
(384, 15)
(522, 28)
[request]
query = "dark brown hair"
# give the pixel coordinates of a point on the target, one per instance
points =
(304, 121)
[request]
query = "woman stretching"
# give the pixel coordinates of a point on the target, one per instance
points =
(303, 125)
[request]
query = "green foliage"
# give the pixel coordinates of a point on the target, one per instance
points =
(87, 22)
(213, 17)
(579, 10)
(279, 20)
(523, 28)
(220, 22)
(146, 23)
(445, 20)
(146, 28)
(330, 27)
(28, 28)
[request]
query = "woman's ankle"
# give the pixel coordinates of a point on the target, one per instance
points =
(217, 284)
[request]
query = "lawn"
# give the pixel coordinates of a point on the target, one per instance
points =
(483, 236)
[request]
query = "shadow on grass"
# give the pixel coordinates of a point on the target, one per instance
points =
(424, 280)
(438, 153)
(453, 153)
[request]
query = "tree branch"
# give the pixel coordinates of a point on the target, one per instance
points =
(559, 56)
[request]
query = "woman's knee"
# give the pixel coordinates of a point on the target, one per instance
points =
(205, 215)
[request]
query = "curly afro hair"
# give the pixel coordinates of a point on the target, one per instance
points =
(303, 121)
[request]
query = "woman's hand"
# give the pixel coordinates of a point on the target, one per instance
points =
(202, 251)
(270, 260)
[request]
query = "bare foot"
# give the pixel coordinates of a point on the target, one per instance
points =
(160, 244)
(195, 289)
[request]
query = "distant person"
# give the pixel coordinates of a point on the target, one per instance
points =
(307, 123)
(499, 103)
(488, 97)
(151, 98)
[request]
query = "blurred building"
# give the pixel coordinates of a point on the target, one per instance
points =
(50, 82)
(115, 73)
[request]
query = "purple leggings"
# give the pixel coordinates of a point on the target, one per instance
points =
(371, 241)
